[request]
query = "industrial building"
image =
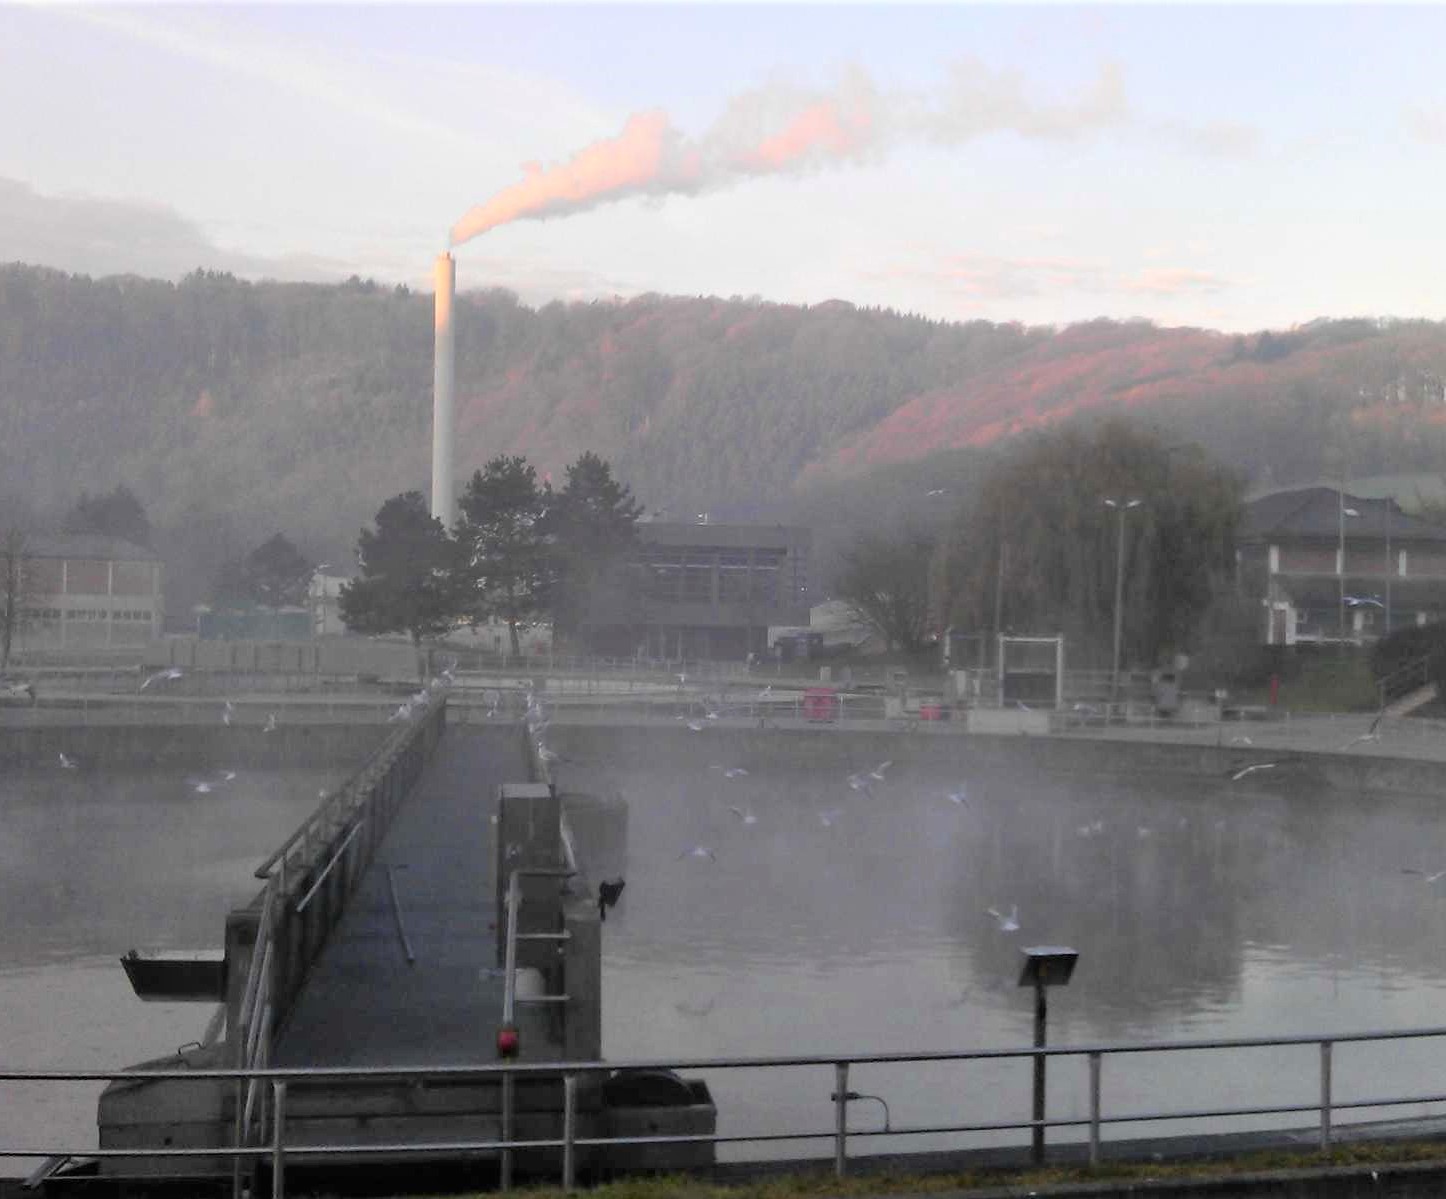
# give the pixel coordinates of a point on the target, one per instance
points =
(83, 591)
(711, 591)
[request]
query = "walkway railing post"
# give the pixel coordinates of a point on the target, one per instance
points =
(1325, 1096)
(506, 1176)
(569, 1131)
(278, 1154)
(1095, 1108)
(841, 1116)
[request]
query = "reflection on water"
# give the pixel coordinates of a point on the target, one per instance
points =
(1199, 909)
(92, 865)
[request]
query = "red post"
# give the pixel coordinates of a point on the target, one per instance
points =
(1274, 690)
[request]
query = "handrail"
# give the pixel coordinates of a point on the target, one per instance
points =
(569, 1072)
(1396, 683)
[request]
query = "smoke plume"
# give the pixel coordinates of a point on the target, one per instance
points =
(784, 129)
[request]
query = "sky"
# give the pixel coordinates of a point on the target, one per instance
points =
(1236, 167)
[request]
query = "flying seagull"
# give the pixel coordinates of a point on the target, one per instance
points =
(1240, 774)
(746, 817)
(68, 763)
(877, 773)
(860, 782)
(698, 851)
(172, 672)
(1008, 921)
(1430, 878)
(959, 797)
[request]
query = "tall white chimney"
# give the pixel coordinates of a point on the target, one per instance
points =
(444, 277)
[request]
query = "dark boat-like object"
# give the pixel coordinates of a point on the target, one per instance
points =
(177, 976)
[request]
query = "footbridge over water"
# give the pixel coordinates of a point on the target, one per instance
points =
(378, 944)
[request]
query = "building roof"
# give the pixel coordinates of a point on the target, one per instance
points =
(1316, 512)
(89, 545)
(721, 536)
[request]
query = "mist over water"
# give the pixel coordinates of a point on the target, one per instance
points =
(1199, 909)
(91, 865)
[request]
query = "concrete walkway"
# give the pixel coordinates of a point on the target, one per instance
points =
(363, 1004)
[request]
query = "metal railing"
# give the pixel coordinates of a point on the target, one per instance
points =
(277, 1150)
(1403, 680)
(307, 879)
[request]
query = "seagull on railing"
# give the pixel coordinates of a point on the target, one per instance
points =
(403, 712)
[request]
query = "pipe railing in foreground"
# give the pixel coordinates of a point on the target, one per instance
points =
(276, 1150)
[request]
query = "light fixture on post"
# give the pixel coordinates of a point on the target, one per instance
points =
(1044, 966)
(1121, 507)
(1341, 561)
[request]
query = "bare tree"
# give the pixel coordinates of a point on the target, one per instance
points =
(15, 589)
(885, 580)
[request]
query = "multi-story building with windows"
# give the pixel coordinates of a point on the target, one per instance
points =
(1329, 566)
(711, 590)
(84, 591)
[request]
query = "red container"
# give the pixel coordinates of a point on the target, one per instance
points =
(820, 703)
(933, 712)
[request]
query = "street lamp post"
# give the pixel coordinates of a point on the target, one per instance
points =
(1341, 560)
(1121, 507)
(1044, 966)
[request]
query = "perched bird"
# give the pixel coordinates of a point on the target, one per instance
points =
(403, 712)
(1008, 922)
(270, 723)
(608, 893)
(228, 713)
(1241, 741)
(698, 851)
(696, 726)
(68, 763)
(25, 690)
(744, 816)
(1240, 774)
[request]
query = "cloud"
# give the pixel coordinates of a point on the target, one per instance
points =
(95, 236)
(1172, 281)
(982, 277)
(1220, 139)
(1427, 124)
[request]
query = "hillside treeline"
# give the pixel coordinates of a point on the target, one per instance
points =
(234, 409)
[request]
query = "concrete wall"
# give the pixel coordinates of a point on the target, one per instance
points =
(166, 746)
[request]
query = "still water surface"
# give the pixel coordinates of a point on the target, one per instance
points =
(1198, 910)
(92, 865)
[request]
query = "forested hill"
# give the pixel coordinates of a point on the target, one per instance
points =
(234, 410)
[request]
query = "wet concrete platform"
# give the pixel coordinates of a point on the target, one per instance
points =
(363, 1003)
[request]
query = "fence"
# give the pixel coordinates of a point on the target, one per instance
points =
(273, 1148)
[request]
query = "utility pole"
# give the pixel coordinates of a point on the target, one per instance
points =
(1121, 507)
